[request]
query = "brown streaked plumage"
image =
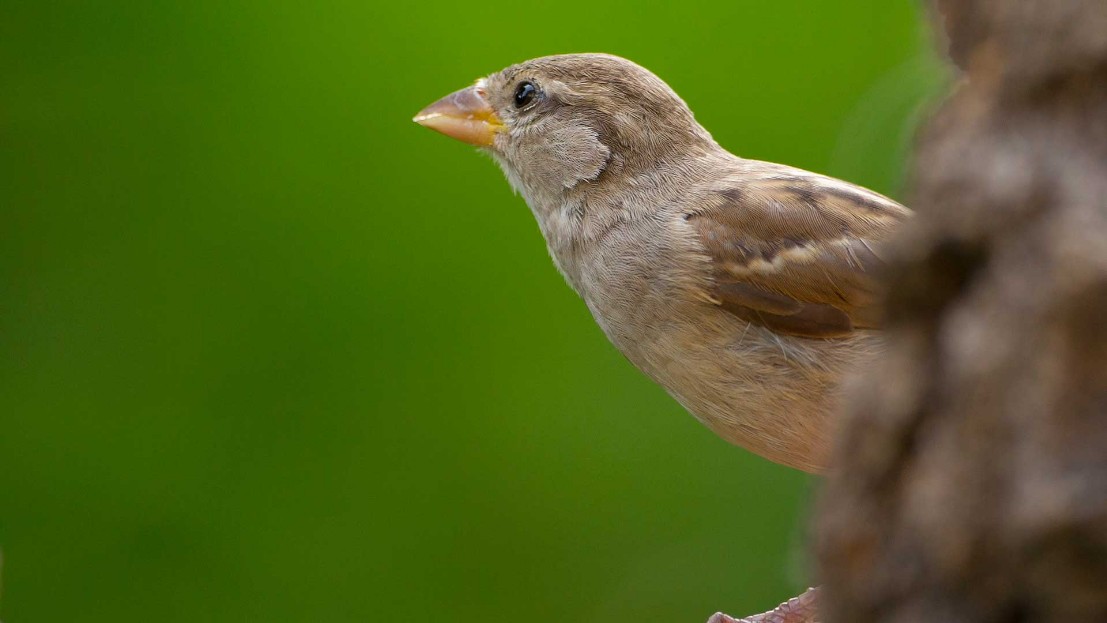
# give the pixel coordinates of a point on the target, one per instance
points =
(747, 289)
(794, 254)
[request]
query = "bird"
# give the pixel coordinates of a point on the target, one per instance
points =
(749, 290)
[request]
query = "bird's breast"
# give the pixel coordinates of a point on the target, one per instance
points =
(643, 283)
(771, 394)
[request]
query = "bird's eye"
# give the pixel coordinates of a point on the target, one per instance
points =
(524, 94)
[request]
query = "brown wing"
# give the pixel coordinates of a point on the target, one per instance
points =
(794, 252)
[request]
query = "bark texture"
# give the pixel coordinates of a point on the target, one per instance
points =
(972, 479)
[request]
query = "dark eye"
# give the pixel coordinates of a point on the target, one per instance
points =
(524, 94)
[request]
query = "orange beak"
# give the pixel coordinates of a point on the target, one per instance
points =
(464, 115)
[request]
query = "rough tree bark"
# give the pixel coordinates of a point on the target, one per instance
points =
(972, 479)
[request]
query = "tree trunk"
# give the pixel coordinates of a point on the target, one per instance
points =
(972, 471)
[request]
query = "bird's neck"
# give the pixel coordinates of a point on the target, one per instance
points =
(574, 220)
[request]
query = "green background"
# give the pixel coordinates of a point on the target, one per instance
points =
(272, 352)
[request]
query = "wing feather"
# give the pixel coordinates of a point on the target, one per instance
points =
(794, 251)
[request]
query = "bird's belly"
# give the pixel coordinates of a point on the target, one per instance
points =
(773, 395)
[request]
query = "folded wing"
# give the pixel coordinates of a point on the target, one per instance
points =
(796, 252)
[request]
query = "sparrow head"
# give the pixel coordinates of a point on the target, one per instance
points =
(556, 122)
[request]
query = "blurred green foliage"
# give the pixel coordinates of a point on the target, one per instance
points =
(271, 352)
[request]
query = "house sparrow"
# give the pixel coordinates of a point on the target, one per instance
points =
(745, 288)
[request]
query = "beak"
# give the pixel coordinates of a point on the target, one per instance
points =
(464, 115)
